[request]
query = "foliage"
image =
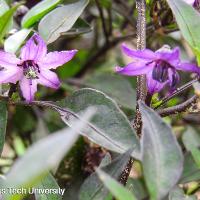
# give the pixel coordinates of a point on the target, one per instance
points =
(95, 138)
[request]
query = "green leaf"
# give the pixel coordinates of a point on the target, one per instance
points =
(93, 189)
(43, 156)
(38, 11)
(118, 190)
(3, 7)
(3, 123)
(185, 15)
(137, 186)
(5, 21)
(41, 130)
(112, 129)
(106, 160)
(191, 140)
(13, 43)
(80, 27)
(75, 185)
(178, 194)
(18, 145)
(191, 172)
(162, 158)
(197, 53)
(105, 3)
(116, 86)
(60, 20)
(71, 191)
(48, 182)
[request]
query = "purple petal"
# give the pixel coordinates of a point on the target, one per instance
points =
(34, 49)
(134, 68)
(153, 85)
(48, 78)
(10, 75)
(191, 2)
(8, 60)
(170, 56)
(188, 67)
(55, 59)
(145, 54)
(28, 88)
(173, 78)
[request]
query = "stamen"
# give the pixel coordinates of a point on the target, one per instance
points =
(160, 71)
(175, 79)
(30, 69)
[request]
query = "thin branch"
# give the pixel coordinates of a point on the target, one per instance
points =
(126, 15)
(13, 88)
(110, 28)
(177, 92)
(123, 3)
(46, 104)
(102, 20)
(192, 119)
(126, 21)
(4, 98)
(178, 108)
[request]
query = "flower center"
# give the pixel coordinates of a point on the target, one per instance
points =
(30, 69)
(160, 71)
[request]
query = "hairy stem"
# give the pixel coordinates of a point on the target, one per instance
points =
(141, 44)
(141, 80)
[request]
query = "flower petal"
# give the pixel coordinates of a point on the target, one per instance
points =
(145, 54)
(55, 59)
(170, 56)
(134, 68)
(174, 79)
(34, 49)
(191, 2)
(188, 67)
(8, 60)
(10, 75)
(153, 85)
(48, 78)
(28, 88)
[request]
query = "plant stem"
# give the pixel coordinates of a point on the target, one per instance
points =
(141, 80)
(141, 44)
(178, 108)
(102, 20)
(178, 91)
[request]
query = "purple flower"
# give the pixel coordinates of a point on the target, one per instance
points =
(33, 67)
(160, 67)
